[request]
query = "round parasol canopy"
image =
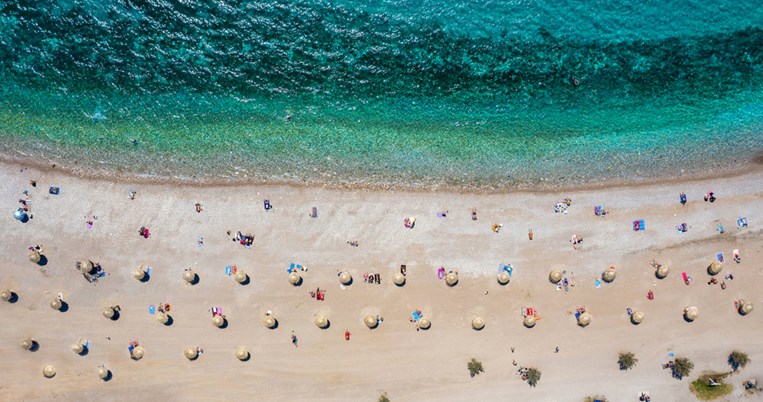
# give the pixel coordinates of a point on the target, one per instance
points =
(242, 353)
(137, 353)
(49, 371)
(399, 279)
(78, 347)
(162, 318)
(189, 276)
(240, 277)
(478, 323)
(191, 353)
(608, 275)
(139, 274)
(218, 321)
(371, 321)
(584, 319)
(345, 278)
(321, 321)
(745, 308)
(714, 268)
(6, 295)
(269, 321)
(424, 323)
(662, 271)
(109, 312)
(103, 373)
(34, 257)
(637, 317)
(451, 279)
(55, 304)
(555, 276)
(27, 343)
(503, 278)
(691, 313)
(294, 278)
(529, 321)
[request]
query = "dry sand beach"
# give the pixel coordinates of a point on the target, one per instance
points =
(393, 358)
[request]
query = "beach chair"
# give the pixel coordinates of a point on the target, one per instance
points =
(737, 257)
(721, 229)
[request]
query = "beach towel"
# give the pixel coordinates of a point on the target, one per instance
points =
(228, 270)
(735, 253)
(87, 343)
(638, 225)
(598, 283)
(267, 205)
(314, 212)
(686, 277)
(217, 311)
(152, 309)
(741, 223)
(130, 348)
(148, 270)
(440, 273)
(102, 275)
(54, 190)
(441, 214)
(416, 316)
(719, 257)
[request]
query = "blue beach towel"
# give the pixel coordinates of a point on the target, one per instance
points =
(87, 344)
(148, 271)
(719, 257)
(228, 270)
(291, 268)
(577, 315)
(416, 315)
(130, 348)
(152, 309)
(598, 283)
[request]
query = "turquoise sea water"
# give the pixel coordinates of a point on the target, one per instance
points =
(420, 93)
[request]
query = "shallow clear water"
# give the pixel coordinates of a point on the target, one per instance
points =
(419, 93)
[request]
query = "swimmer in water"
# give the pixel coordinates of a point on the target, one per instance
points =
(288, 118)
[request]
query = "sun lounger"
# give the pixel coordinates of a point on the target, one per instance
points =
(719, 257)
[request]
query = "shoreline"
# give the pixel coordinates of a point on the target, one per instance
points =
(754, 165)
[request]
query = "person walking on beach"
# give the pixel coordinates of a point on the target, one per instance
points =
(347, 335)
(294, 340)
(556, 350)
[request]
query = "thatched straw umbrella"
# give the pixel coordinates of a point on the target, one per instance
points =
(608, 275)
(691, 313)
(137, 353)
(321, 321)
(294, 278)
(714, 268)
(555, 276)
(424, 323)
(745, 308)
(49, 371)
(218, 321)
(191, 353)
(55, 304)
(109, 312)
(399, 279)
(270, 321)
(6, 295)
(503, 278)
(103, 373)
(637, 317)
(241, 277)
(34, 257)
(86, 267)
(371, 321)
(451, 279)
(478, 323)
(584, 319)
(529, 321)
(242, 353)
(662, 271)
(139, 273)
(78, 347)
(162, 317)
(345, 278)
(189, 276)
(27, 343)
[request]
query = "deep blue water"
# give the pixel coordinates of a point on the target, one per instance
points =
(465, 93)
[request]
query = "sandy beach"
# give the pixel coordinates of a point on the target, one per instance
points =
(394, 358)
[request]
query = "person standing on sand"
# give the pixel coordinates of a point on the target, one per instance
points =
(347, 335)
(294, 340)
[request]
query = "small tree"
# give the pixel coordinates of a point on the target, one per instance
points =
(627, 360)
(738, 360)
(682, 367)
(383, 398)
(533, 376)
(474, 367)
